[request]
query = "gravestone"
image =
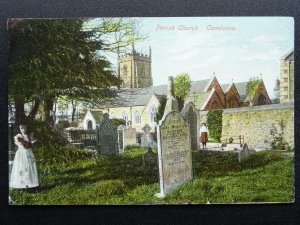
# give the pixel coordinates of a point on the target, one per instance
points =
(190, 114)
(149, 158)
(120, 138)
(244, 153)
(146, 139)
(129, 135)
(174, 152)
(107, 137)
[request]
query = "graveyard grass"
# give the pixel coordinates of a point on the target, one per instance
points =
(122, 179)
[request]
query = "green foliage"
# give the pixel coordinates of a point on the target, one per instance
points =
(182, 85)
(45, 135)
(118, 122)
(61, 125)
(121, 179)
(252, 86)
(63, 57)
(214, 122)
(161, 109)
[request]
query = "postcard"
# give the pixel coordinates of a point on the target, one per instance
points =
(144, 110)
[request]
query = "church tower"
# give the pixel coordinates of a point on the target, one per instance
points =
(135, 69)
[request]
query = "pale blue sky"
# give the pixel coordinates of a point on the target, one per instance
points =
(254, 47)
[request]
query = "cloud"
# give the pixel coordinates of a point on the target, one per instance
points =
(262, 56)
(267, 39)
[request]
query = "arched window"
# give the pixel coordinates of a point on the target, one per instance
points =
(124, 70)
(137, 118)
(125, 116)
(152, 114)
(112, 116)
(89, 125)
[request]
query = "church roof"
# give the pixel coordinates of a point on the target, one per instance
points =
(241, 88)
(289, 56)
(127, 97)
(199, 86)
(98, 115)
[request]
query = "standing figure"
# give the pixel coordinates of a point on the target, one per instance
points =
(24, 173)
(203, 132)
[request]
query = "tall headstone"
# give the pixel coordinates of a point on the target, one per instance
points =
(190, 114)
(171, 103)
(107, 137)
(129, 135)
(244, 153)
(174, 152)
(146, 139)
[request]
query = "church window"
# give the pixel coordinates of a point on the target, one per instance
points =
(89, 125)
(124, 70)
(152, 114)
(142, 69)
(125, 116)
(137, 118)
(112, 116)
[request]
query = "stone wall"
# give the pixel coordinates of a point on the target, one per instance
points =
(255, 123)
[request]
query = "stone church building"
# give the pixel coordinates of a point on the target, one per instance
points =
(138, 100)
(286, 93)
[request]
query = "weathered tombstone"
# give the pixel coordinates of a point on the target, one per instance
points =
(149, 158)
(108, 137)
(244, 153)
(129, 135)
(121, 138)
(174, 152)
(190, 114)
(146, 139)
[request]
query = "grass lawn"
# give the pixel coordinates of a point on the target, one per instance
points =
(122, 179)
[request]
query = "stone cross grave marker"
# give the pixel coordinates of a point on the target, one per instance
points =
(244, 153)
(174, 153)
(146, 139)
(108, 137)
(189, 112)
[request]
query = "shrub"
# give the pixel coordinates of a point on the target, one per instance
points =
(118, 122)
(214, 120)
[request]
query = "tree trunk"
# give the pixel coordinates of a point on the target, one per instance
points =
(20, 112)
(34, 110)
(48, 106)
(73, 113)
(180, 104)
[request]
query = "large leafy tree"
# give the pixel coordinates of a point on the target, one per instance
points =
(53, 58)
(182, 85)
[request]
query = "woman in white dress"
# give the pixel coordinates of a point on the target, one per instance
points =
(24, 173)
(203, 134)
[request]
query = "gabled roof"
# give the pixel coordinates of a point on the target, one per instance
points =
(98, 115)
(208, 97)
(198, 99)
(289, 56)
(242, 89)
(199, 86)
